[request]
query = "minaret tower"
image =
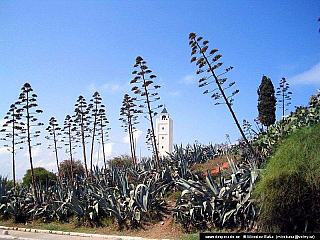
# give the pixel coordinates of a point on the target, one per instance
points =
(164, 133)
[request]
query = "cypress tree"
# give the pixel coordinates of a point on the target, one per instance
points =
(266, 102)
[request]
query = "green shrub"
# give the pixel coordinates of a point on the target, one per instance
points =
(41, 175)
(65, 169)
(289, 189)
(123, 161)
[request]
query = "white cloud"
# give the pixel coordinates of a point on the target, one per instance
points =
(4, 151)
(311, 76)
(108, 149)
(35, 152)
(92, 88)
(288, 67)
(136, 136)
(189, 79)
(175, 93)
(2, 121)
(51, 154)
(112, 87)
(47, 165)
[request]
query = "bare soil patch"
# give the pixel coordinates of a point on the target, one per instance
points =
(213, 165)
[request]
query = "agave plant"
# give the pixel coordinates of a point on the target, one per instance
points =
(184, 158)
(225, 203)
(130, 195)
(19, 204)
(3, 189)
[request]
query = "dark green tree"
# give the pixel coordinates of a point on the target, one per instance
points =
(284, 96)
(207, 66)
(145, 88)
(266, 102)
(12, 127)
(29, 110)
(41, 175)
(123, 161)
(129, 121)
(69, 171)
(82, 119)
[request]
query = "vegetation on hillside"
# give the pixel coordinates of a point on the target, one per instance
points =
(290, 184)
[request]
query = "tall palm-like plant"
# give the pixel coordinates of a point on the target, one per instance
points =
(82, 119)
(145, 88)
(208, 63)
(29, 110)
(94, 106)
(129, 121)
(284, 96)
(70, 139)
(11, 128)
(103, 131)
(54, 134)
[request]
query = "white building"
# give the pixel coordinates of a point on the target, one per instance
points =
(164, 133)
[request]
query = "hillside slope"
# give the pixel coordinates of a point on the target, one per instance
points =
(289, 188)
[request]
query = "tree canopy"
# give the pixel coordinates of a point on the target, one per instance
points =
(266, 102)
(41, 175)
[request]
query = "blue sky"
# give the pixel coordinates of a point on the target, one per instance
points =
(69, 48)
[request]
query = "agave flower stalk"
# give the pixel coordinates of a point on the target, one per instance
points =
(12, 127)
(148, 96)
(200, 47)
(27, 104)
(129, 120)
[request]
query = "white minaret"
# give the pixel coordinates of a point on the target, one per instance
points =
(164, 133)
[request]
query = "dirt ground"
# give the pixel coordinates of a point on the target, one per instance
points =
(213, 165)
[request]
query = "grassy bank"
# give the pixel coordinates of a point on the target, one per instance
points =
(289, 189)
